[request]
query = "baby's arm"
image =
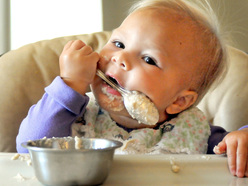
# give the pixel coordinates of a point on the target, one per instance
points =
(53, 115)
(64, 99)
(235, 145)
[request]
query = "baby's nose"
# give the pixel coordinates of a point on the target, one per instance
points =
(121, 61)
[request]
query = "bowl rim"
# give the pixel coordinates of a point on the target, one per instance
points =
(26, 145)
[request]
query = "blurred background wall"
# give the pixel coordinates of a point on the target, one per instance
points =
(27, 21)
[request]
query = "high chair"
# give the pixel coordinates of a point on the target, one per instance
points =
(25, 72)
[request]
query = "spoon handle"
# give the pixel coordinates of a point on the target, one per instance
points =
(111, 83)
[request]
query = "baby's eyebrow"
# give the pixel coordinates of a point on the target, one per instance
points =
(118, 33)
(115, 31)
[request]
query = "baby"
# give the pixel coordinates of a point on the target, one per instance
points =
(168, 50)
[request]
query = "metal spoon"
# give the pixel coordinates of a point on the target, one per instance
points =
(137, 104)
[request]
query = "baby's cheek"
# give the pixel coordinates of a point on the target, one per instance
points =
(104, 58)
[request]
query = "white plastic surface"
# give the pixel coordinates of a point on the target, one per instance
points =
(139, 170)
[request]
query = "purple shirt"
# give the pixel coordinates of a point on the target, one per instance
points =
(53, 115)
(59, 107)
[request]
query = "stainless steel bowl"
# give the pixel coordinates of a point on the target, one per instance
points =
(72, 161)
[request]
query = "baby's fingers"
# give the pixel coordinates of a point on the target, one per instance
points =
(67, 46)
(77, 44)
(246, 170)
(220, 148)
(86, 50)
(242, 162)
(231, 157)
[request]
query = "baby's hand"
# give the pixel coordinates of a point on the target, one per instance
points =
(235, 144)
(78, 64)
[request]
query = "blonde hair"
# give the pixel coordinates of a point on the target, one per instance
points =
(213, 64)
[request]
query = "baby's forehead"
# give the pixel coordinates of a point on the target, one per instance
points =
(168, 27)
(183, 16)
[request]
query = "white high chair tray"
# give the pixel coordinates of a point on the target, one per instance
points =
(138, 170)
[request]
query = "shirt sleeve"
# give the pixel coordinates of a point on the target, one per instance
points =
(244, 127)
(53, 115)
(217, 134)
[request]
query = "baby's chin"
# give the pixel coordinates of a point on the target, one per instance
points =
(113, 102)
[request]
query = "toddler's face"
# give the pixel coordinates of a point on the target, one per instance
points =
(149, 53)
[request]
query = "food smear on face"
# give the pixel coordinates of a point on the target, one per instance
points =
(138, 105)
(111, 92)
(141, 108)
(113, 97)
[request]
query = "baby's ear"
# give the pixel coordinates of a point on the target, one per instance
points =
(183, 101)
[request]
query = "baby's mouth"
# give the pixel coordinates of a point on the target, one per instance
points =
(109, 89)
(113, 80)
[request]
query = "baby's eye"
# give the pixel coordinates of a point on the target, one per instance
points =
(149, 60)
(119, 44)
